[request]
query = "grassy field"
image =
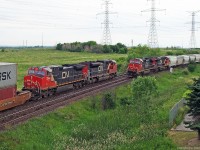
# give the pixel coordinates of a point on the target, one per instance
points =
(32, 57)
(80, 126)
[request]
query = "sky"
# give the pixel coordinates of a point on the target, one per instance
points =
(66, 21)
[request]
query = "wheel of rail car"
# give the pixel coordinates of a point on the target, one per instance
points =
(82, 83)
(75, 86)
(142, 73)
(54, 91)
(79, 85)
(96, 80)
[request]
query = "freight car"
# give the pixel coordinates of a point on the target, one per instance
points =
(197, 58)
(186, 59)
(44, 81)
(9, 96)
(192, 58)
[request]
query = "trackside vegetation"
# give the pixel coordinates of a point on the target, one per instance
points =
(135, 122)
(193, 101)
(117, 119)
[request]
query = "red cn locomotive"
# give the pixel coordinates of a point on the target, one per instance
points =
(44, 81)
(146, 65)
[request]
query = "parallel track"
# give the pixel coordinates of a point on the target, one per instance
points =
(50, 104)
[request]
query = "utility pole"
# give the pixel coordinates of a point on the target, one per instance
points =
(153, 37)
(42, 40)
(106, 32)
(193, 29)
(132, 43)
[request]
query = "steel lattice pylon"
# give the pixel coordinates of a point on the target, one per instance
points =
(193, 30)
(153, 37)
(106, 31)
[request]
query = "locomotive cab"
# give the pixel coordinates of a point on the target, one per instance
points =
(40, 81)
(135, 67)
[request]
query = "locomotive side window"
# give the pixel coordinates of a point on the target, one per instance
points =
(31, 72)
(40, 73)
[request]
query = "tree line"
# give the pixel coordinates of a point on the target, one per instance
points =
(92, 46)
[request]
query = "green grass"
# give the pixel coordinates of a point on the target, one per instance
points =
(78, 126)
(184, 139)
(27, 58)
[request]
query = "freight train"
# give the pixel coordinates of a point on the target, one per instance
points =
(142, 66)
(44, 81)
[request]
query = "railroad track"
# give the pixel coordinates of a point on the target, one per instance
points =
(50, 104)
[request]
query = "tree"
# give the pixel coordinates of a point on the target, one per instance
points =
(193, 101)
(107, 49)
(59, 46)
(143, 51)
(122, 48)
(143, 89)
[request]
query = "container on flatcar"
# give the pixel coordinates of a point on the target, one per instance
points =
(8, 75)
(8, 92)
(173, 60)
(9, 97)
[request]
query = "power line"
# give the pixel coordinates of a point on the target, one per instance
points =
(153, 37)
(106, 32)
(193, 29)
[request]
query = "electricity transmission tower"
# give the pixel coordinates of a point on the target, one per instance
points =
(106, 32)
(153, 37)
(193, 29)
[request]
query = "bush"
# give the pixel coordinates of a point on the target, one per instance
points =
(170, 53)
(93, 103)
(185, 71)
(108, 101)
(125, 101)
(142, 87)
(192, 67)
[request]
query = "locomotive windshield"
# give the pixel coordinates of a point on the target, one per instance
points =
(31, 72)
(135, 61)
(34, 72)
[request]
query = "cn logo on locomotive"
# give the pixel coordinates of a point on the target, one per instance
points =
(5, 76)
(100, 68)
(65, 75)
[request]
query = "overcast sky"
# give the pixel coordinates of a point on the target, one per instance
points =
(76, 20)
